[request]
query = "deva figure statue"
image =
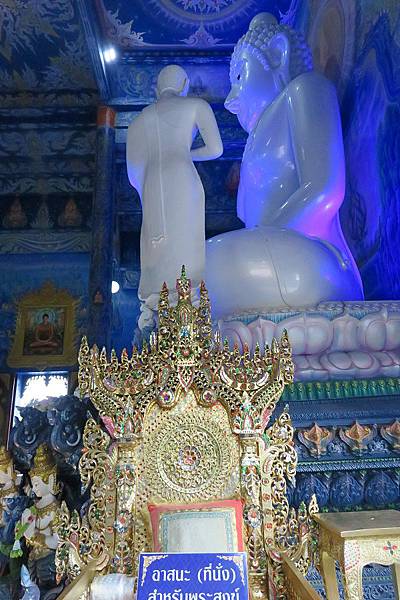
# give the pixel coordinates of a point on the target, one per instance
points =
(292, 182)
(160, 157)
(37, 521)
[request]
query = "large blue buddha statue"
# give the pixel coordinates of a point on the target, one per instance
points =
(292, 179)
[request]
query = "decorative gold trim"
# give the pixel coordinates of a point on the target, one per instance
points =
(238, 561)
(391, 433)
(147, 561)
(355, 540)
(297, 586)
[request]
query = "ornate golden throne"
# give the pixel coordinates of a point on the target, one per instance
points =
(183, 422)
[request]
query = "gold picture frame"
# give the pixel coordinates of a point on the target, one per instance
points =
(45, 334)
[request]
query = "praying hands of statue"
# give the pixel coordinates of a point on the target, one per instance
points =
(28, 522)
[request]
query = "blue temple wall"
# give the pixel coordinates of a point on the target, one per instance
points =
(46, 153)
(371, 109)
(43, 58)
(356, 45)
(48, 98)
(47, 160)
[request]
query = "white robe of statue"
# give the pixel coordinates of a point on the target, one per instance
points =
(160, 166)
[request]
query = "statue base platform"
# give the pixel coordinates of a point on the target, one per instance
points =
(331, 341)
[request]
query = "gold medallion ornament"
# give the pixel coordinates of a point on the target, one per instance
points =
(184, 420)
(191, 456)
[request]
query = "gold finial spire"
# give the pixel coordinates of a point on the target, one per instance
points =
(184, 286)
(163, 303)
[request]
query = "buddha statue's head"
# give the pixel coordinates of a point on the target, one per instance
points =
(265, 59)
(173, 80)
(43, 474)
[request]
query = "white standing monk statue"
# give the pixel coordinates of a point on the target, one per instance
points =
(292, 182)
(160, 166)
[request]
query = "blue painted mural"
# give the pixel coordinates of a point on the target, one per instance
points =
(47, 153)
(148, 34)
(356, 44)
(155, 24)
(372, 136)
(43, 56)
(46, 184)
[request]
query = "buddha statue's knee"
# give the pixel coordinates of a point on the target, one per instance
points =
(256, 270)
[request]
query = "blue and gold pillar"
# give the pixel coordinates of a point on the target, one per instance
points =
(103, 224)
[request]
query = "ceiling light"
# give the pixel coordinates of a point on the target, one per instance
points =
(114, 287)
(110, 54)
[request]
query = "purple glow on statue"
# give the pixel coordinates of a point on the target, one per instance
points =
(292, 180)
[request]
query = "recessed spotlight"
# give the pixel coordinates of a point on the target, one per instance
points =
(114, 287)
(109, 54)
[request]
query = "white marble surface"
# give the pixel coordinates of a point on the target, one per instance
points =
(292, 182)
(160, 158)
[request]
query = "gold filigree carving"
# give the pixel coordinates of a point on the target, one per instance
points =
(190, 456)
(183, 420)
(147, 561)
(237, 560)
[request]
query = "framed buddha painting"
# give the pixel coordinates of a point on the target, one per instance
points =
(45, 329)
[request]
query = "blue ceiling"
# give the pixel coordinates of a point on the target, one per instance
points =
(51, 51)
(147, 24)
